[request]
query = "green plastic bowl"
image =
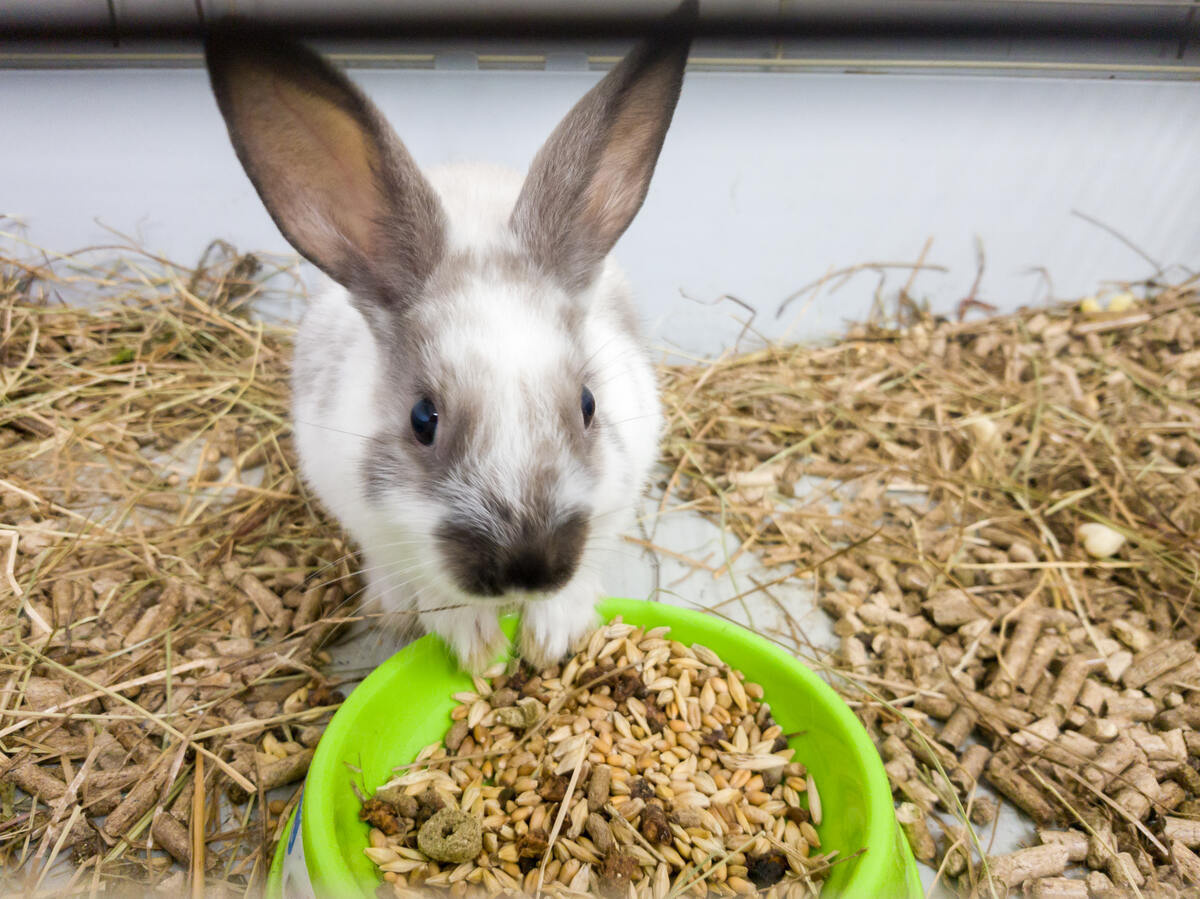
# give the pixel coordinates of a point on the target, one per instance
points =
(405, 704)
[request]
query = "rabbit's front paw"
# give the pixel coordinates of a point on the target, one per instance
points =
(473, 633)
(551, 627)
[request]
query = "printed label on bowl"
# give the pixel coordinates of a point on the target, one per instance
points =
(294, 882)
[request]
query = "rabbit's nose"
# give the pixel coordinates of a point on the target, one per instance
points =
(538, 559)
(530, 570)
(544, 561)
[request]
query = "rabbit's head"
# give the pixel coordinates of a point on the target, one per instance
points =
(515, 412)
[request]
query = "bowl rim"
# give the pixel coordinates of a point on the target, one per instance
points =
(332, 876)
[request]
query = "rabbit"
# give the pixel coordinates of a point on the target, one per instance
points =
(472, 398)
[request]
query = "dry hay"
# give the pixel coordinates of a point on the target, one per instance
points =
(166, 587)
(164, 606)
(947, 471)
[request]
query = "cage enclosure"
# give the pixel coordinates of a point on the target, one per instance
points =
(919, 283)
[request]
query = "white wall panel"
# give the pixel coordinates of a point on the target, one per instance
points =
(767, 181)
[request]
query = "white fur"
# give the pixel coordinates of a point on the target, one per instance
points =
(496, 330)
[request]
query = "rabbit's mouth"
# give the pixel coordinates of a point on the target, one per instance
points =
(532, 563)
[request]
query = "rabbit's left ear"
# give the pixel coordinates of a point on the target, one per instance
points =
(589, 179)
(332, 174)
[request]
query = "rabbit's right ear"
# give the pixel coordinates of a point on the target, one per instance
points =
(332, 174)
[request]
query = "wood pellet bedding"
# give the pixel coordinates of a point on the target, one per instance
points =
(639, 767)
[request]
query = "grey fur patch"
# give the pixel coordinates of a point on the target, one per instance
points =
(385, 464)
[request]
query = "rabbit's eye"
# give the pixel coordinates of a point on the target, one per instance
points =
(587, 403)
(424, 420)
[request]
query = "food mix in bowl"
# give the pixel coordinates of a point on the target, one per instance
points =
(640, 767)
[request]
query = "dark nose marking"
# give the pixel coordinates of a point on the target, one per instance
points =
(538, 559)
